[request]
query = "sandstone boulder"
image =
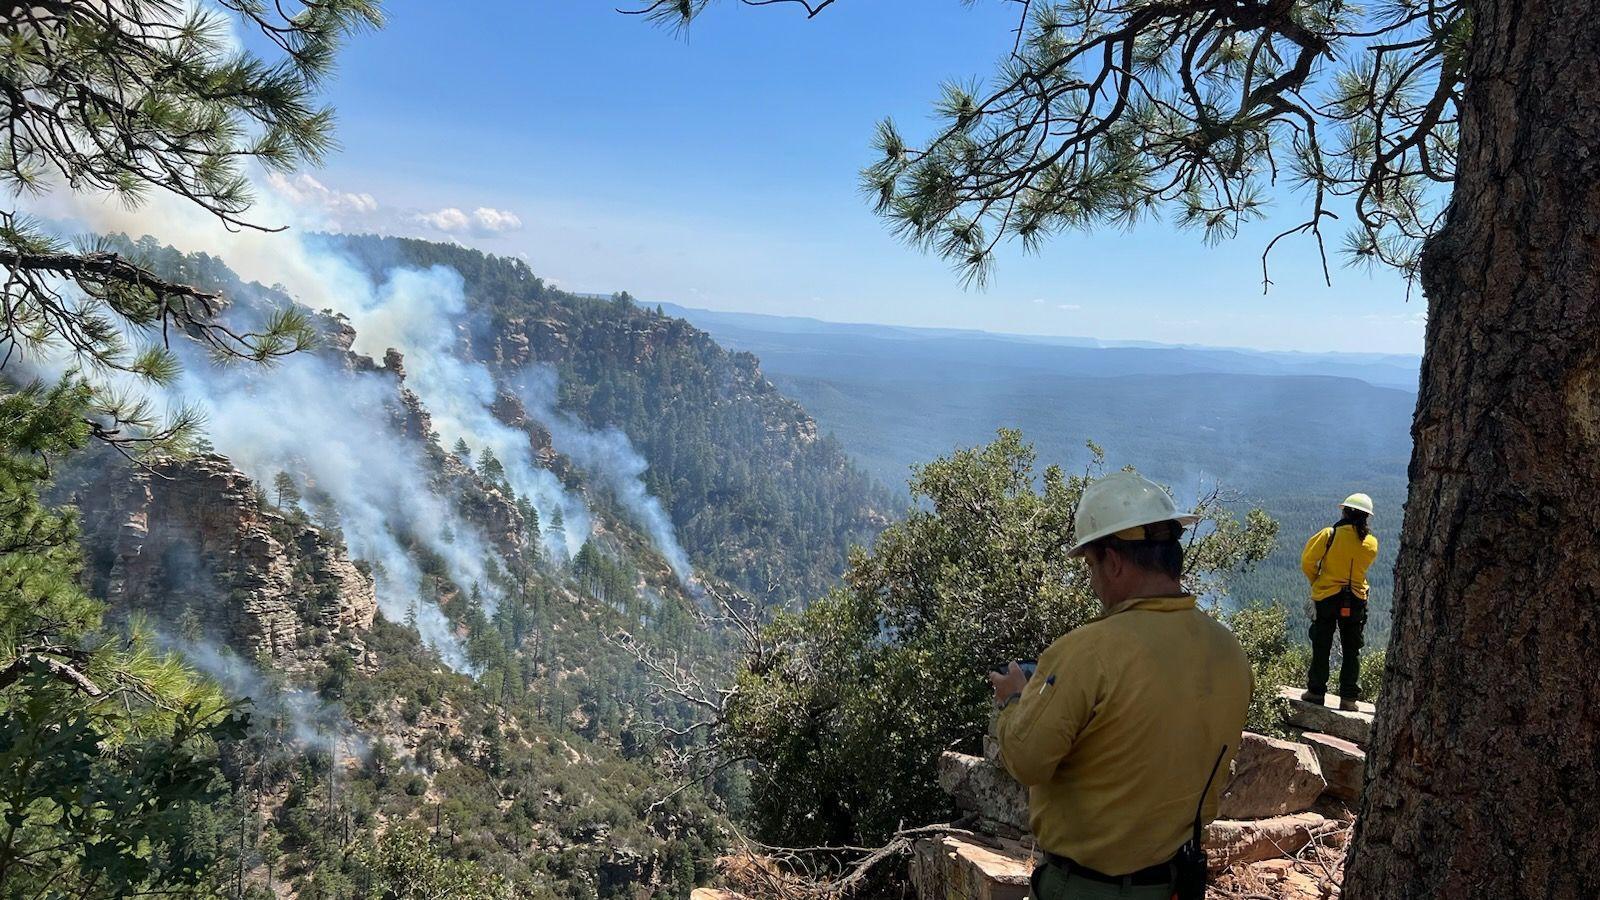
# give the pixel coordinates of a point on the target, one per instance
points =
(1327, 718)
(983, 787)
(949, 867)
(1271, 778)
(1344, 764)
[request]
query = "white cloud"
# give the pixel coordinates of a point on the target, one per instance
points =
(482, 221)
(324, 207)
(306, 192)
(1039, 300)
(496, 220)
(1069, 307)
(449, 219)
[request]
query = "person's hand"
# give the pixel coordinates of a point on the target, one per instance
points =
(1009, 684)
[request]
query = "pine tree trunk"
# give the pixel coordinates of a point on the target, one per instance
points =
(1484, 770)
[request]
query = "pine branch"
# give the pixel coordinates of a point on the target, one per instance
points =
(60, 671)
(100, 267)
(1107, 111)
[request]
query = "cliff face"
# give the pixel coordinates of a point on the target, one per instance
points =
(189, 541)
(741, 469)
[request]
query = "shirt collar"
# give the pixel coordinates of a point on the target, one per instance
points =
(1169, 603)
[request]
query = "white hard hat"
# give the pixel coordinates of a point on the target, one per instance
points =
(1119, 501)
(1360, 502)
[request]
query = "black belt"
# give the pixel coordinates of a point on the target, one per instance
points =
(1160, 873)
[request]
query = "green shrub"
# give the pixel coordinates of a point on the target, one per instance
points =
(1263, 631)
(1372, 663)
(860, 693)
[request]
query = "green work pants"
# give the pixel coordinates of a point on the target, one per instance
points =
(1050, 884)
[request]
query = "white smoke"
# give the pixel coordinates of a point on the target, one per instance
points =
(308, 417)
(312, 723)
(301, 416)
(608, 454)
(412, 310)
(334, 430)
(419, 313)
(299, 412)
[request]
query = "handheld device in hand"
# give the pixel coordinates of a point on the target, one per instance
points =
(1028, 667)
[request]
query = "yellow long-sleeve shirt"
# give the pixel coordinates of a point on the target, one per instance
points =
(1345, 563)
(1119, 727)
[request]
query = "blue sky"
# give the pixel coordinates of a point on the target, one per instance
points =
(719, 170)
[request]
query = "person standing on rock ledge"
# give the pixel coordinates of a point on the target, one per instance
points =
(1335, 561)
(1124, 732)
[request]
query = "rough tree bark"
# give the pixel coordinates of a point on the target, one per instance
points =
(1484, 773)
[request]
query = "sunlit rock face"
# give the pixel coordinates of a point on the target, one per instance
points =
(189, 544)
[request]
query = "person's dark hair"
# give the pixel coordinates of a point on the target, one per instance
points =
(1356, 519)
(1162, 552)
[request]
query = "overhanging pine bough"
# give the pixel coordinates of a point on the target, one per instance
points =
(1109, 110)
(138, 95)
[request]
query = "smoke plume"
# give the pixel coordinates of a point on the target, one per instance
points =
(420, 313)
(310, 723)
(609, 455)
(334, 429)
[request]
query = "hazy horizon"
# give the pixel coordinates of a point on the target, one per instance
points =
(1101, 340)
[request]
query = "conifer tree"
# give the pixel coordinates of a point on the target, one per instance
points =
(490, 467)
(288, 493)
(138, 97)
(109, 746)
(530, 518)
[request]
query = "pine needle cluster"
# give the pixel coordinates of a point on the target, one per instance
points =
(137, 97)
(1106, 112)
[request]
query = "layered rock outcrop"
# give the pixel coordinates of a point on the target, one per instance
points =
(190, 543)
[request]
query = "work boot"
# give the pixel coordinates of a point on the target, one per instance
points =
(1346, 703)
(1312, 697)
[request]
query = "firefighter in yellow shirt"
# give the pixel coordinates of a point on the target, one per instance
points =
(1335, 561)
(1124, 731)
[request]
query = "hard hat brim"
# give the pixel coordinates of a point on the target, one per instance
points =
(1083, 544)
(1357, 507)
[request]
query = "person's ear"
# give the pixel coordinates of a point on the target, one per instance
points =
(1111, 562)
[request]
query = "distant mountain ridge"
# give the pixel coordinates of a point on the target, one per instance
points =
(1290, 433)
(775, 339)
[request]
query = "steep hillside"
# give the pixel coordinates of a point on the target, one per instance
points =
(428, 635)
(192, 543)
(359, 729)
(755, 493)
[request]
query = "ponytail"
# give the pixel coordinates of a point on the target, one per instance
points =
(1356, 519)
